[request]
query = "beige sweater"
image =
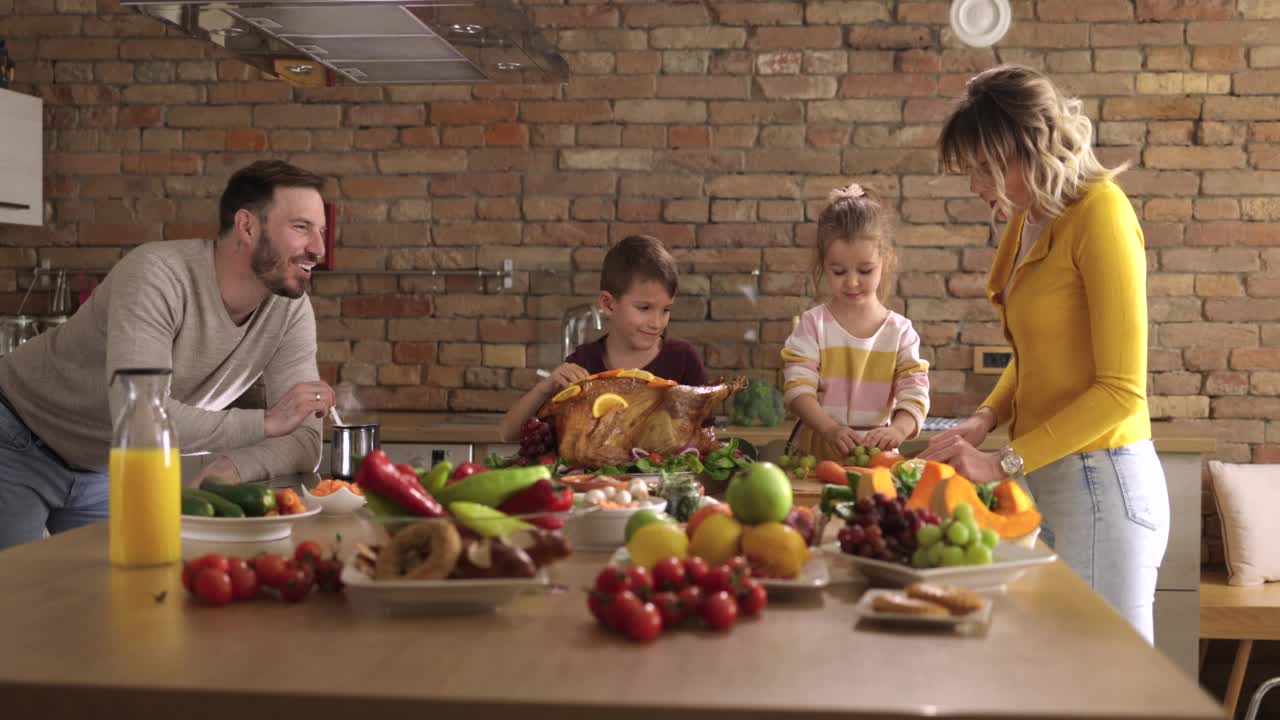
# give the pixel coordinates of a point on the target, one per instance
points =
(160, 307)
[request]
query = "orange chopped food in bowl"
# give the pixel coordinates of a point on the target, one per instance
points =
(328, 486)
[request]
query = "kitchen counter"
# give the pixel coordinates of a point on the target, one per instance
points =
(82, 640)
(482, 429)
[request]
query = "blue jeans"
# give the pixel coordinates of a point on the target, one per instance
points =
(38, 490)
(1106, 514)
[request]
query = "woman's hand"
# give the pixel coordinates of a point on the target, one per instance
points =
(973, 430)
(885, 438)
(977, 466)
(841, 437)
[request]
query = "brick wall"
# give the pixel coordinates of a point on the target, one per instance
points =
(717, 126)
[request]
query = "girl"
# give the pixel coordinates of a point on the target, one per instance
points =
(851, 362)
(1069, 284)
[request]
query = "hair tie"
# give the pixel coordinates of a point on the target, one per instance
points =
(852, 192)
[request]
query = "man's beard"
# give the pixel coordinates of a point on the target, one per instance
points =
(267, 265)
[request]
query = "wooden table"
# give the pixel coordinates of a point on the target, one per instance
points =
(78, 639)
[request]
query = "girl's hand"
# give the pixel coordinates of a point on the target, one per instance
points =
(842, 438)
(973, 430)
(885, 438)
(978, 466)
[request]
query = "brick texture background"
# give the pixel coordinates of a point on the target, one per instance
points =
(717, 126)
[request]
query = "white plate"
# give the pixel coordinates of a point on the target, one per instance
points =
(980, 23)
(339, 502)
(1010, 562)
(814, 575)
(437, 596)
(865, 609)
(249, 529)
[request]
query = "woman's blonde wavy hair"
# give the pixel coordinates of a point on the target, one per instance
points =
(1014, 116)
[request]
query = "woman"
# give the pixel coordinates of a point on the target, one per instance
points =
(1069, 282)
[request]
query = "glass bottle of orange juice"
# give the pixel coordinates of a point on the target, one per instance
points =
(145, 478)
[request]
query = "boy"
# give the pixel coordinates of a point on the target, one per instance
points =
(637, 286)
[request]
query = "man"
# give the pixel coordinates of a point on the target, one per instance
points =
(230, 317)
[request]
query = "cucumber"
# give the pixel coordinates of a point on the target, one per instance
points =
(221, 506)
(255, 500)
(195, 505)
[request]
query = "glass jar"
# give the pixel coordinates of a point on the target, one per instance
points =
(145, 518)
(683, 493)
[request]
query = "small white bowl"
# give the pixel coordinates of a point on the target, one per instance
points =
(339, 502)
(605, 528)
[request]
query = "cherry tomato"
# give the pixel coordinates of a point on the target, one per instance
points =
(655, 457)
(643, 624)
(639, 582)
(612, 579)
(272, 569)
(235, 562)
(695, 569)
(598, 603)
(720, 611)
(752, 598)
(690, 600)
(739, 567)
(464, 470)
(329, 575)
(717, 579)
(213, 587)
(668, 605)
(297, 584)
(668, 574)
(621, 605)
(308, 550)
(195, 565)
(244, 582)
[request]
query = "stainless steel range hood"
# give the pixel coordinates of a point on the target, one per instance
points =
(372, 41)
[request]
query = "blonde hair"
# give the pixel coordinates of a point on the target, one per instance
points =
(1013, 115)
(856, 213)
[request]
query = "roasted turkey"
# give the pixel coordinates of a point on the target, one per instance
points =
(599, 420)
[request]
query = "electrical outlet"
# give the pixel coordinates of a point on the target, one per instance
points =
(991, 359)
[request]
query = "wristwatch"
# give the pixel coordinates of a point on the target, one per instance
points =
(1010, 462)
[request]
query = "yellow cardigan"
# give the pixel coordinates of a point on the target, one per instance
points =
(1076, 317)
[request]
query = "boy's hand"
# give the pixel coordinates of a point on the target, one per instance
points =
(885, 438)
(566, 375)
(842, 438)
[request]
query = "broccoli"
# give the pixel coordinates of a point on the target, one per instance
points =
(759, 402)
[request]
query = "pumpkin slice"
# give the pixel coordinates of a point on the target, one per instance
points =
(1012, 499)
(607, 402)
(931, 476)
(567, 393)
(878, 480)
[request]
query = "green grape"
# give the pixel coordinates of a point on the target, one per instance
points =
(974, 531)
(977, 554)
(990, 538)
(928, 535)
(952, 556)
(920, 558)
(962, 512)
(958, 534)
(873, 452)
(808, 461)
(785, 461)
(935, 554)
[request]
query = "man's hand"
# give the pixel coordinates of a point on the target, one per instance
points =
(222, 469)
(292, 409)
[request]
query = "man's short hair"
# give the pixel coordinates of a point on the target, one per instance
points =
(252, 188)
(638, 257)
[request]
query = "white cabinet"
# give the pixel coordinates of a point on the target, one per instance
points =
(21, 159)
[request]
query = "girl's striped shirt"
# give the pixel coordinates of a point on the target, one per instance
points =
(859, 382)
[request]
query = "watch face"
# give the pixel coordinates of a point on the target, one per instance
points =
(1011, 464)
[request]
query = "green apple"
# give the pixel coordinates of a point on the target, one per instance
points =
(762, 494)
(640, 518)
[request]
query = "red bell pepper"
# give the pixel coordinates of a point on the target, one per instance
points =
(541, 497)
(379, 475)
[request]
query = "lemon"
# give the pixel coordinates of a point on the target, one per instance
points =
(778, 549)
(607, 402)
(644, 375)
(567, 393)
(717, 539)
(656, 541)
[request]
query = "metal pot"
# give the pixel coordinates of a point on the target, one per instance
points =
(15, 330)
(350, 442)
